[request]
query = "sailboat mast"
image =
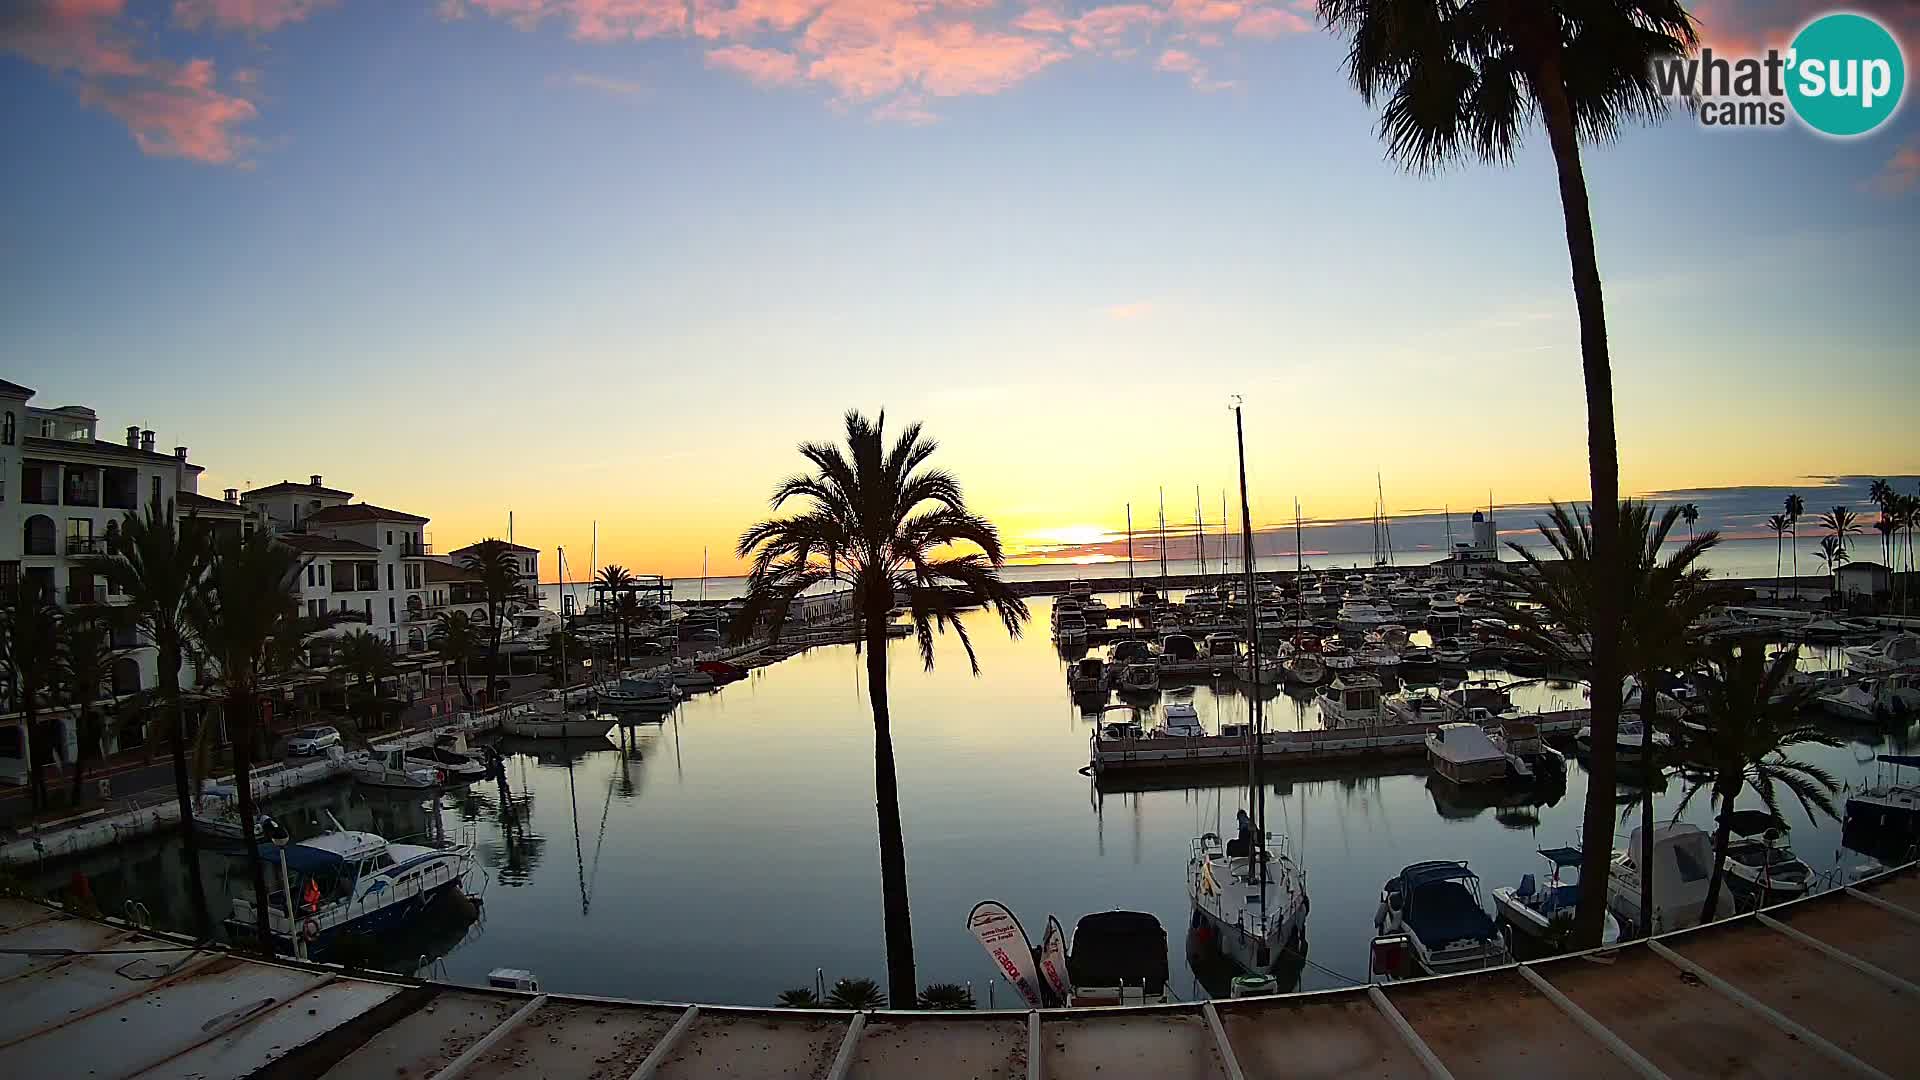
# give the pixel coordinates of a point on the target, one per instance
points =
(1130, 555)
(1299, 564)
(1256, 865)
(1163, 538)
(703, 574)
(1200, 532)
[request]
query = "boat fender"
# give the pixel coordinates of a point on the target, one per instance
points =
(311, 930)
(439, 776)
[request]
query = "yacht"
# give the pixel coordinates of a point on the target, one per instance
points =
(1352, 700)
(1888, 654)
(639, 692)
(686, 676)
(1130, 651)
(1070, 628)
(450, 754)
(1463, 754)
(364, 884)
(1178, 651)
(1528, 755)
(1532, 908)
(388, 766)
(1360, 616)
(527, 629)
(1630, 739)
(1224, 649)
(1305, 668)
(1438, 906)
(1087, 676)
(1252, 914)
(1682, 863)
(1139, 677)
(1885, 815)
(1179, 720)
(1870, 700)
(553, 718)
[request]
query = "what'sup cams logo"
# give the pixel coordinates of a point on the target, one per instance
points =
(1843, 75)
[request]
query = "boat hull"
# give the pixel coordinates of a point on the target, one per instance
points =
(533, 728)
(1486, 771)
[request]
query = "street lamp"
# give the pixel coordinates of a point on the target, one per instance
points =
(277, 833)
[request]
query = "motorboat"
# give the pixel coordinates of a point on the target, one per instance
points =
(1761, 868)
(450, 754)
(216, 813)
(1261, 671)
(1451, 653)
(1117, 958)
(389, 766)
(1139, 677)
(1253, 913)
(1418, 656)
(1885, 816)
(1528, 755)
(639, 692)
(550, 720)
(1533, 907)
(1223, 649)
(688, 677)
(1870, 700)
(1360, 616)
(1682, 864)
(721, 670)
(349, 882)
(1130, 650)
(1088, 675)
(1179, 651)
(1890, 653)
(1305, 668)
(1672, 695)
(1463, 754)
(1352, 700)
(1437, 905)
(1179, 720)
(1630, 740)
(1080, 590)
(1070, 628)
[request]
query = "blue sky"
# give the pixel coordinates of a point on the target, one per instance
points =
(462, 264)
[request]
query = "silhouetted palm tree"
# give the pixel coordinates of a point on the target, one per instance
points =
(1661, 600)
(1467, 80)
(247, 621)
(456, 639)
(367, 658)
(30, 649)
(1751, 720)
(1689, 513)
(159, 566)
(893, 529)
(1795, 506)
(499, 575)
(1779, 525)
(615, 580)
(86, 671)
(1834, 554)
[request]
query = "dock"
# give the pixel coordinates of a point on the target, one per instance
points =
(1284, 749)
(1822, 986)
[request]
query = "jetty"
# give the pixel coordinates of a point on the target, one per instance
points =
(1284, 749)
(1821, 986)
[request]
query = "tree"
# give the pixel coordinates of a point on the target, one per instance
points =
(247, 620)
(896, 532)
(86, 669)
(160, 568)
(499, 575)
(1661, 600)
(1795, 506)
(365, 658)
(1834, 555)
(1779, 525)
(456, 639)
(1751, 721)
(947, 997)
(1689, 513)
(800, 997)
(30, 638)
(1467, 80)
(617, 580)
(853, 993)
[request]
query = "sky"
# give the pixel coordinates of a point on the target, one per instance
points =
(609, 260)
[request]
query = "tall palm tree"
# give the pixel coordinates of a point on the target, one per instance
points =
(896, 532)
(29, 647)
(1662, 599)
(1779, 525)
(368, 659)
(86, 670)
(1888, 528)
(1752, 720)
(1906, 510)
(1467, 80)
(1795, 506)
(456, 639)
(499, 574)
(247, 621)
(1834, 554)
(616, 580)
(160, 568)
(1689, 513)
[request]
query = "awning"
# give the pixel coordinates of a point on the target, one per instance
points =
(1562, 856)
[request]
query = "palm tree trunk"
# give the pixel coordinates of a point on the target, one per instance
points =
(1649, 712)
(1795, 533)
(902, 985)
(240, 707)
(1778, 554)
(83, 728)
(37, 754)
(175, 725)
(1604, 464)
(1721, 832)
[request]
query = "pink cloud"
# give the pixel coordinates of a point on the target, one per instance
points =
(1041, 20)
(712, 20)
(909, 109)
(171, 109)
(1902, 170)
(762, 67)
(262, 16)
(1270, 23)
(1181, 62)
(1753, 26)
(1109, 27)
(1205, 11)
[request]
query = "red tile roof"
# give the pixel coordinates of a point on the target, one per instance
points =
(309, 544)
(355, 512)
(438, 571)
(288, 487)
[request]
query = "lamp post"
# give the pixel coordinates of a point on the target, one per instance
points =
(278, 834)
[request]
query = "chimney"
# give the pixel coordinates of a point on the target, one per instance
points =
(146, 440)
(315, 480)
(133, 436)
(180, 453)
(233, 495)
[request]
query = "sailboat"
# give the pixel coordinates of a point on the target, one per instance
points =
(1248, 896)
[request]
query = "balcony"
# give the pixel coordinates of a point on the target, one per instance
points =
(82, 594)
(86, 545)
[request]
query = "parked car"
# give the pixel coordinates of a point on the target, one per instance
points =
(310, 741)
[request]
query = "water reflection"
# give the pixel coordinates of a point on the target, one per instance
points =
(727, 849)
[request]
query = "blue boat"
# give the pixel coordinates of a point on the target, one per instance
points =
(349, 882)
(1437, 905)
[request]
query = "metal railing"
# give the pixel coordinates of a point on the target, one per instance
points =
(86, 545)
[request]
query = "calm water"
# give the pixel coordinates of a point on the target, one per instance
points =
(731, 850)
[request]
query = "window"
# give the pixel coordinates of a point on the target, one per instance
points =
(390, 617)
(80, 537)
(313, 607)
(389, 567)
(369, 606)
(6, 428)
(389, 537)
(155, 485)
(323, 573)
(309, 575)
(343, 603)
(46, 427)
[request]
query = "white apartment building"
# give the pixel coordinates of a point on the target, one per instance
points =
(370, 560)
(525, 558)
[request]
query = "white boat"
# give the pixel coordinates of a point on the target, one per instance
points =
(1630, 739)
(1252, 913)
(1070, 629)
(1888, 654)
(1088, 675)
(1870, 700)
(216, 813)
(551, 720)
(1528, 755)
(1118, 958)
(388, 767)
(1438, 906)
(1463, 754)
(1360, 616)
(1139, 677)
(1306, 668)
(1533, 907)
(1352, 701)
(1884, 817)
(1223, 649)
(1682, 863)
(686, 676)
(1764, 870)
(1179, 720)
(450, 754)
(639, 692)
(360, 883)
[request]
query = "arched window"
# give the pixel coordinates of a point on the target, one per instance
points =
(126, 676)
(39, 536)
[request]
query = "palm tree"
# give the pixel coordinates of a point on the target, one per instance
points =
(1907, 512)
(947, 997)
(86, 668)
(366, 658)
(563, 643)
(499, 575)
(1752, 719)
(800, 997)
(1662, 599)
(895, 531)
(1467, 80)
(1888, 528)
(1690, 514)
(247, 620)
(1834, 554)
(855, 993)
(30, 642)
(1795, 506)
(160, 568)
(456, 639)
(1779, 524)
(616, 580)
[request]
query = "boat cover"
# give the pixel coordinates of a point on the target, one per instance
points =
(1562, 856)
(1442, 910)
(1751, 822)
(1112, 947)
(302, 859)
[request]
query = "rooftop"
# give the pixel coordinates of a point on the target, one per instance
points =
(1818, 987)
(14, 389)
(192, 502)
(358, 512)
(509, 546)
(309, 544)
(288, 487)
(438, 571)
(112, 449)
